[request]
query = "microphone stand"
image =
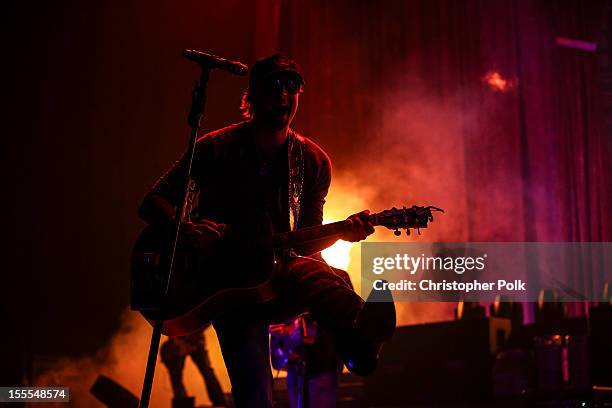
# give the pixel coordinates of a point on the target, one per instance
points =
(198, 103)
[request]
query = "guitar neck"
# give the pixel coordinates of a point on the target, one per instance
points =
(414, 217)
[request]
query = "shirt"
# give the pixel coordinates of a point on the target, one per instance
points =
(235, 183)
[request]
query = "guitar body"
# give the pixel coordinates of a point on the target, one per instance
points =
(202, 288)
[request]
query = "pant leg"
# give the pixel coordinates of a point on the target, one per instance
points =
(323, 389)
(202, 361)
(174, 362)
(246, 351)
(312, 284)
(293, 388)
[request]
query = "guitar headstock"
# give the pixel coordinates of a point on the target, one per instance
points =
(405, 218)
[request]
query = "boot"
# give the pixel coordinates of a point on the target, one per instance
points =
(375, 324)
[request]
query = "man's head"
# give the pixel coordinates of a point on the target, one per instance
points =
(275, 83)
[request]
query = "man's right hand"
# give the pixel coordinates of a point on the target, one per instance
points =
(205, 228)
(203, 236)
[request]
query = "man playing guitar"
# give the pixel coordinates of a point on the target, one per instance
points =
(265, 166)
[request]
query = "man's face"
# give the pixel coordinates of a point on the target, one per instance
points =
(276, 100)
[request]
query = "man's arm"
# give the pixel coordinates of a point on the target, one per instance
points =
(159, 205)
(312, 214)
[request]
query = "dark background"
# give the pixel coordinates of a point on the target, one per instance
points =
(98, 93)
(96, 111)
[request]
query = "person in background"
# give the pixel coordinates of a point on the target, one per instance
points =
(173, 354)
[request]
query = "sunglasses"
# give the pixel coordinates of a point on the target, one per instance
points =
(274, 85)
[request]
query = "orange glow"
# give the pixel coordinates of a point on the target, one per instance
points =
(497, 82)
(338, 255)
(124, 360)
(343, 200)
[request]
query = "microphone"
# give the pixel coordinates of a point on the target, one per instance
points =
(214, 62)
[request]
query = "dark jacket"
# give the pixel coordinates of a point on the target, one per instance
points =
(234, 183)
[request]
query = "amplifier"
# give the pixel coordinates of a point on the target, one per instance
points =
(437, 363)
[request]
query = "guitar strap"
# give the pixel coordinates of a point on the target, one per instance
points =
(296, 177)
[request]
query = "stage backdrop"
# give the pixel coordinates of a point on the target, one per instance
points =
(470, 106)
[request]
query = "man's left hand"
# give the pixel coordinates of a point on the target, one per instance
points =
(361, 227)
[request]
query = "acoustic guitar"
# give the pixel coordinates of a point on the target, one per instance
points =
(202, 288)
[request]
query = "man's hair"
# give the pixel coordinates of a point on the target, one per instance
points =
(245, 105)
(262, 69)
